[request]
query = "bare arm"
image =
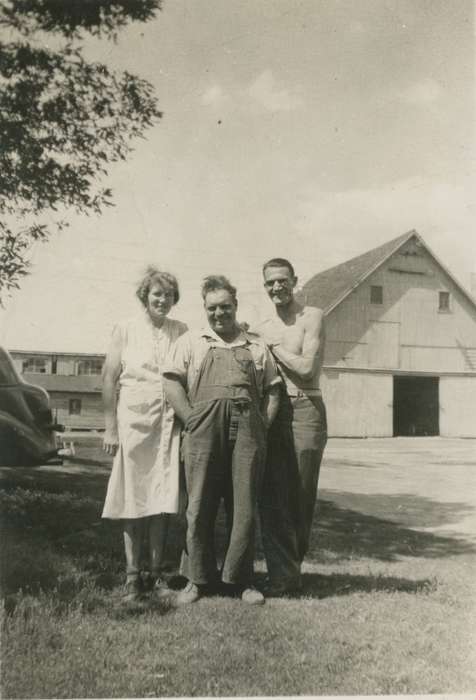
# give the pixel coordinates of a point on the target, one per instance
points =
(305, 364)
(271, 403)
(177, 396)
(110, 377)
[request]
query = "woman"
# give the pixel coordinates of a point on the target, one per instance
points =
(141, 431)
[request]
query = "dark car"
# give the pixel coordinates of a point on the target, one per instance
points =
(27, 430)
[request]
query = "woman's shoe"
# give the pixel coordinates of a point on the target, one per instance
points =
(132, 591)
(161, 589)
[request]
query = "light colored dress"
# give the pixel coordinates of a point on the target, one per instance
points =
(145, 474)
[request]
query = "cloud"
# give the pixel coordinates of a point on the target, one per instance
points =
(266, 93)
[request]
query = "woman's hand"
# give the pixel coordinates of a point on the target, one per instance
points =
(110, 442)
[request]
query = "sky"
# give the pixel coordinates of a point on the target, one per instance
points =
(313, 130)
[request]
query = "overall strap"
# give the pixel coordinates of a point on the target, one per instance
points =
(198, 377)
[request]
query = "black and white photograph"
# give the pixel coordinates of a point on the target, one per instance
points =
(237, 348)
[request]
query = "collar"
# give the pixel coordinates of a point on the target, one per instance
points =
(244, 338)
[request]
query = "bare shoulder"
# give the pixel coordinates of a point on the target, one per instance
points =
(255, 336)
(312, 314)
(259, 327)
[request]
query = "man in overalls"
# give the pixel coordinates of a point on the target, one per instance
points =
(224, 387)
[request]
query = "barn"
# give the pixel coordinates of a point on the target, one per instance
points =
(400, 356)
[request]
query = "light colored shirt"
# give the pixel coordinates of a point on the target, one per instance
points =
(189, 351)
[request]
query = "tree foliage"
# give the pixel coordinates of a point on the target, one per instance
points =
(63, 118)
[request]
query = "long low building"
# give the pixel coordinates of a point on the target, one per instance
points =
(73, 382)
(400, 353)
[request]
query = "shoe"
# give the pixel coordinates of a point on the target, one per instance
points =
(252, 596)
(161, 589)
(147, 581)
(132, 591)
(283, 589)
(190, 594)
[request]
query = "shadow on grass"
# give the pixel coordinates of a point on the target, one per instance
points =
(366, 530)
(331, 585)
(405, 509)
(53, 535)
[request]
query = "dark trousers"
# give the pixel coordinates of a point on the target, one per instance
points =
(288, 496)
(224, 451)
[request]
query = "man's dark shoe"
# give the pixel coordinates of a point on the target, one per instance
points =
(280, 589)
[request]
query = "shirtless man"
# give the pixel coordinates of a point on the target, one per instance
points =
(296, 440)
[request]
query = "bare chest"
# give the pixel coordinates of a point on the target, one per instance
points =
(290, 337)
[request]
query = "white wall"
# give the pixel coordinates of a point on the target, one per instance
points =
(359, 404)
(458, 407)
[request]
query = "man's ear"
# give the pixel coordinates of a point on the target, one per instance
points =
(295, 281)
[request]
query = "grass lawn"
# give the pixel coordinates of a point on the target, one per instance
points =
(388, 605)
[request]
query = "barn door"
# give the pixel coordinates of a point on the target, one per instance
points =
(416, 408)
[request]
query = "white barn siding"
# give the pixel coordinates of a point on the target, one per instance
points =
(359, 404)
(458, 406)
(407, 333)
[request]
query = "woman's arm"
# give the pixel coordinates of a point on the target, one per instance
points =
(110, 376)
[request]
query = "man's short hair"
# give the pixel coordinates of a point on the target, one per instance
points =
(212, 283)
(279, 262)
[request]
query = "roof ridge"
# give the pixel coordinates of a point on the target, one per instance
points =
(335, 283)
(331, 286)
(399, 240)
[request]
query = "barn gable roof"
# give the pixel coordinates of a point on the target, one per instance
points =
(330, 287)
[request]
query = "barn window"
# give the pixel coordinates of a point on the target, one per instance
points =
(90, 367)
(35, 365)
(444, 301)
(376, 294)
(74, 407)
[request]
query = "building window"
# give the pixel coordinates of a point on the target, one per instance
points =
(443, 301)
(89, 367)
(35, 365)
(376, 294)
(75, 407)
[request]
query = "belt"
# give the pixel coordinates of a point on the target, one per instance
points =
(307, 392)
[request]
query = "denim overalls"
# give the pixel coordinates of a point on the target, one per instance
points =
(224, 451)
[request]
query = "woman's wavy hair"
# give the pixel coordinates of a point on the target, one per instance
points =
(152, 276)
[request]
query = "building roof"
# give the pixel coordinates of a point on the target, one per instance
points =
(59, 353)
(82, 384)
(329, 288)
